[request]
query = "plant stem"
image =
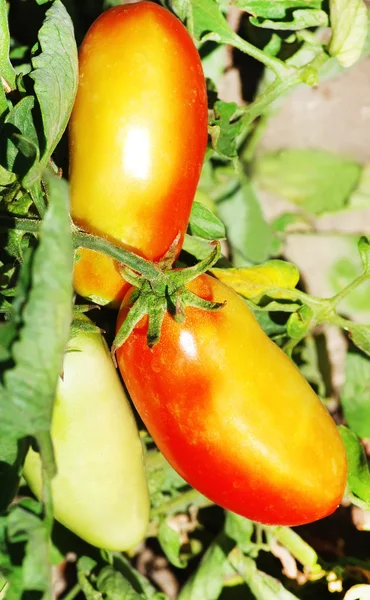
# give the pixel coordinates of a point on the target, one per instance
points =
(73, 592)
(275, 89)
(19, 224)
(146, 268)
(84, 240)
(296, 546)
(181, 502)
(48, 471)
(349, 288)
(277, 66)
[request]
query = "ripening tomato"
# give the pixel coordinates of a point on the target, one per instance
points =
(138, 135)
(232, 413)
(100, 489)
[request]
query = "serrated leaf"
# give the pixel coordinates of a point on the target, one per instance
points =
(204, 223)
(55, 76)
(140, 583)
(223, 131)
(300, 19)
(114, 586)
(170, 542)
(360, 336)
(358, 477)
(240, 530)
(180, 7)
(276, 9)
(25, 526)
(207, 581)
(266, 320)
(6, 68)
(355, 394)
(318, 181)
(195, 246)
(349, 24)
(6, 177)
(12, 453)
(247, 231)
(208, 18)
(255, 282)
(85, 566)
(27, 402)
(19, 122)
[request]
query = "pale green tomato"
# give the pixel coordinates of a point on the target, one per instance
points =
(100, 491)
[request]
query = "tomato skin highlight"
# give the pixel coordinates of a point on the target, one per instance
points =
(100, 490)
(138, 136)
(232, 413)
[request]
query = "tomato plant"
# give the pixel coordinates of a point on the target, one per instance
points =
(133, 169)
(227, 407)
(233, 415)
(100, 490)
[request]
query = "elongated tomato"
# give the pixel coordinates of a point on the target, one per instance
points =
(138, 135)
(100, 490)
(233, 415)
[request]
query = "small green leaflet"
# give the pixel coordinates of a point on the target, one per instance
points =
(204, 223)
(355, 394)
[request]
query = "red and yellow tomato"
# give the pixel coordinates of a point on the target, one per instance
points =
(138, 135)
(232, 413)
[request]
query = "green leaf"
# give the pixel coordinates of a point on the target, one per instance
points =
(360, 197)
(196, 246)
(114, 586)
(276, 9)
(12, 453)
(355, 394)
(364, 250)
(262, 586)
(300, 19)
(223, 131)
(247, 231)
(260, 280)
(207, 581)
(360, 336)
(204, 223)
(358, 478)
(299, 323)
(23, 533)
(26, 403)
(85, 566)
(25, 526)
(170, 542)
(55, 76)
(139, 583)
(318, 181)
(349, 24)
(240, 530)
(19, 122)
(269, 325)
(209, 20)
(6, 68)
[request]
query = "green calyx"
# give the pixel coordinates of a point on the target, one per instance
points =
(165, 292)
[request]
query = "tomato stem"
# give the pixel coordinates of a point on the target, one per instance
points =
(48, 472)
(296, 546)
(85, 240)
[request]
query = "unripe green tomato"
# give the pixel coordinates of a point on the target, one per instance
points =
(100, 490)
